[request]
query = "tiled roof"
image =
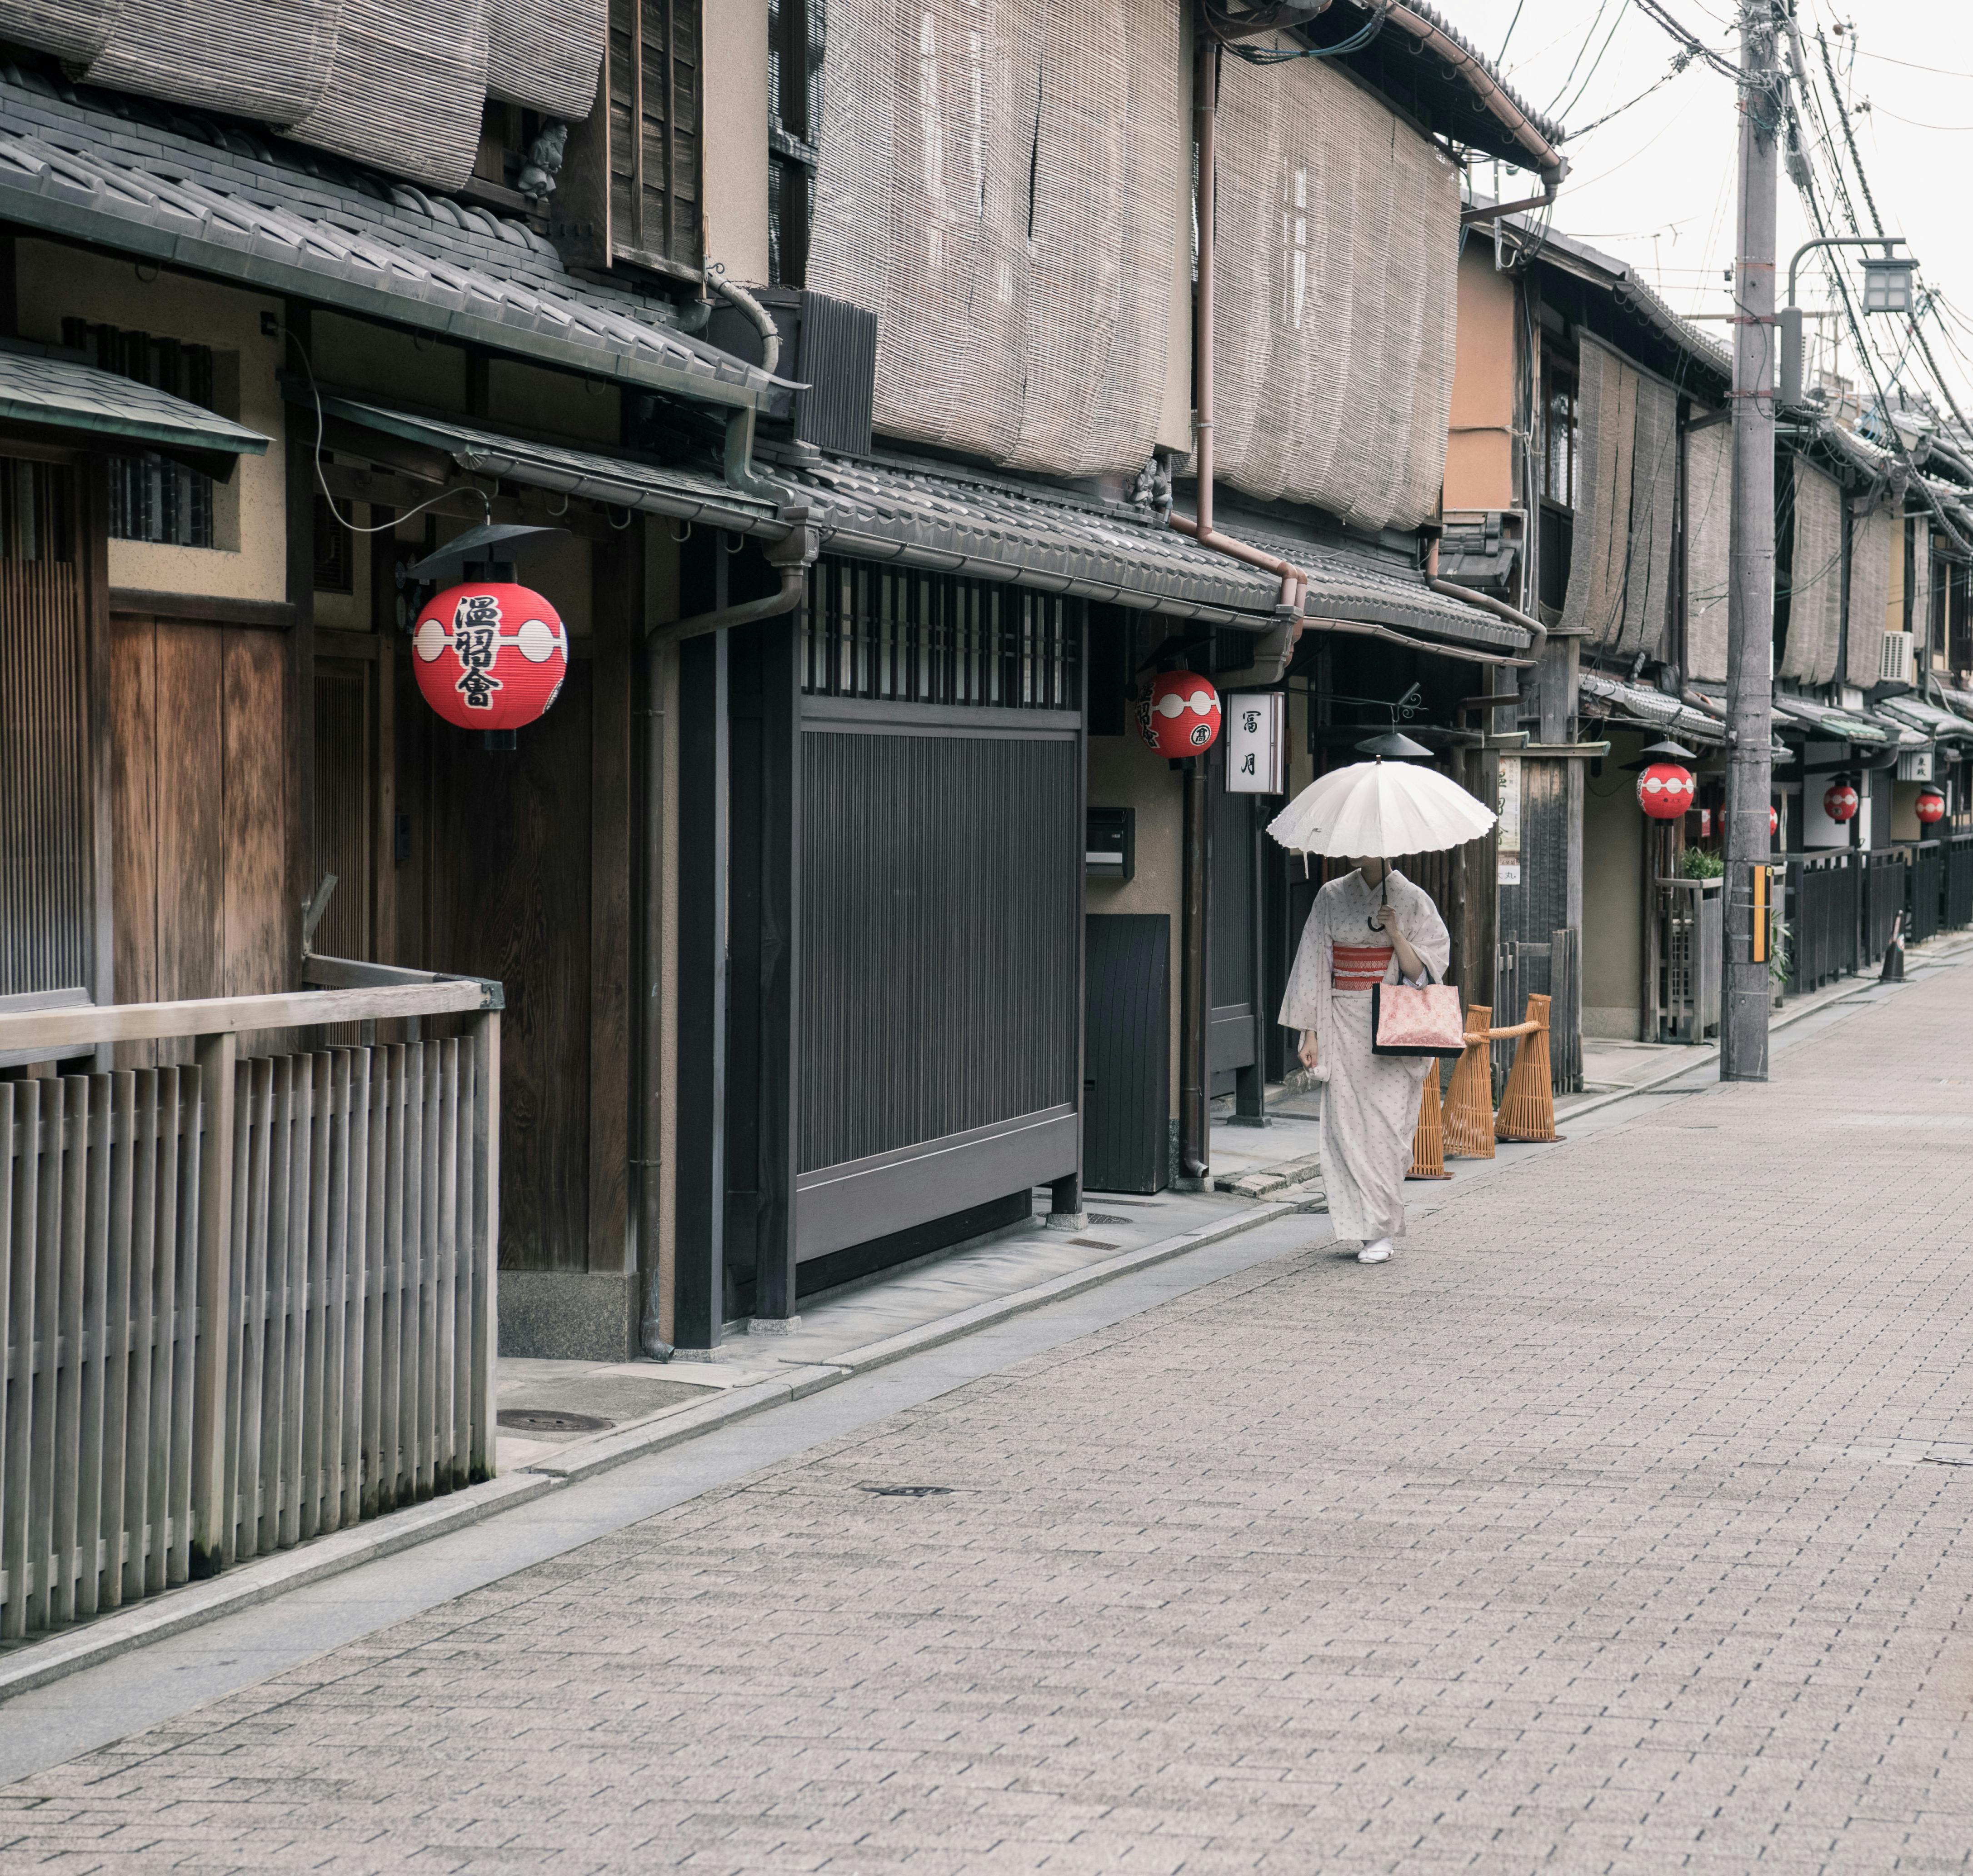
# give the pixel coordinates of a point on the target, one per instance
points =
(1914, 713)
(962, 524)
(952, 522)
(622, 481)
(1642, 704)
(148, 178)
(38, 389)
(965, 523)
(1838, 725)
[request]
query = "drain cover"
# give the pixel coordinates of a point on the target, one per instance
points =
(1107, 1217)
(907, 1491)
(551, 1420)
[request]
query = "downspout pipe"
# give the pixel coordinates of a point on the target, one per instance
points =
(1537, 632)
(794, 554)
(1206, 112)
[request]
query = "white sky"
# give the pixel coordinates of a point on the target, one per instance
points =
(1655, 186)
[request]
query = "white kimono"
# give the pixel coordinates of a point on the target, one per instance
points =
(1370, 1106)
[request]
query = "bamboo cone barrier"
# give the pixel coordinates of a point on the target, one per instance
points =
(1468, 1114)
(1527, 1102)
(1428, 1142)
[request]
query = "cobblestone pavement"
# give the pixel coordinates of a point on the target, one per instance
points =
(1603, 1529)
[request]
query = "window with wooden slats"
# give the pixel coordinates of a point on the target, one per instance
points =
(654, 96)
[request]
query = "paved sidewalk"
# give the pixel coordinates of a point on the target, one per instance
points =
(1616, 1525)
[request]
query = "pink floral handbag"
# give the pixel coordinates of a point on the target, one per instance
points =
(1423, 1019)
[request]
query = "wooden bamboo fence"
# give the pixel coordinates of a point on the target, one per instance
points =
(243, 1301)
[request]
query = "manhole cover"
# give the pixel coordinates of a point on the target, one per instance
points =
(1107, 1217)
(907, 1491)
(550, 1420)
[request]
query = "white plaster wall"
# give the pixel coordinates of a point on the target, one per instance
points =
(250, 562)
(734, 191)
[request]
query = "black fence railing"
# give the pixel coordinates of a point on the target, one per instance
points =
(1925, 888)
(1959, 848)
(1825, 929)
(1883, 899)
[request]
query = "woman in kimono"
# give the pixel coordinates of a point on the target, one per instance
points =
(1371, 926)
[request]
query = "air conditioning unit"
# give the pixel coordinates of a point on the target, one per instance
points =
(1898, 662)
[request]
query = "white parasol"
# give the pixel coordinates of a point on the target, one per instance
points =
(1372, 809)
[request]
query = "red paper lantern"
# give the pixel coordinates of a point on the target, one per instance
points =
(490, 655)
(1181, 716)
(1774, 822)
(1930, 806)
(1839, 803)
(1664, 791)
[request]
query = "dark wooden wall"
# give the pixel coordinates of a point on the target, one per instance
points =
(50, 894)
(518, 866)
(940, 936)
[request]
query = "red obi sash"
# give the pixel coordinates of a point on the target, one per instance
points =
(1357, 967)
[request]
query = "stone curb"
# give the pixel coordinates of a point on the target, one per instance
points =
(1070, 1283)
(195, 1605)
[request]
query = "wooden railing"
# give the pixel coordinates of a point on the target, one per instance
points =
(244, 1300)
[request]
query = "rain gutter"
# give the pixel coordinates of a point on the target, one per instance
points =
(1548, 161)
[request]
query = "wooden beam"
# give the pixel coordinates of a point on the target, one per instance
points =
(203, 1016)
(199, 609)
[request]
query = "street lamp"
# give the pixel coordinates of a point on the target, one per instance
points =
(1887, 288)
(1887, 283)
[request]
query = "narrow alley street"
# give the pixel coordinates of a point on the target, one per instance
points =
(1618, 1523)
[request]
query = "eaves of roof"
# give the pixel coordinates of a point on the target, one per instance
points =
(1628, 286)
(1647, 708)
(148, 179)
(921, 514)
(39, 388)
(1838, 725)
(585, 474)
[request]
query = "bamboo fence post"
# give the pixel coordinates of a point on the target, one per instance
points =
(1468, 1116)
(1429, 1139)
(1527, 1102)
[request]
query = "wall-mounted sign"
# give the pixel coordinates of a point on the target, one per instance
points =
(1257, 743)
(1508, 829)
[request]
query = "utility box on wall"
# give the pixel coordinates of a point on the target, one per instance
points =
(1110, 849)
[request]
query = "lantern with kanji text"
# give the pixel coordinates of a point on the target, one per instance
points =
(1839, 802)
(491, 655)
(1181, 716)
(1930, 806)
(1664, 791)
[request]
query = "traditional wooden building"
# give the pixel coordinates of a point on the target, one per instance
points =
(862, 526)
(1590, 471)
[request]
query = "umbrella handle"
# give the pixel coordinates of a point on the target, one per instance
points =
(1384, 889)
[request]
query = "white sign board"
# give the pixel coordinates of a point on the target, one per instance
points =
(1257, 742)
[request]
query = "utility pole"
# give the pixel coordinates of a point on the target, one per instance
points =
(1750, 604)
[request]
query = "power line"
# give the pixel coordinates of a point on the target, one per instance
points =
(1680, 62)
(1877, 223)
(1576, 64)
(1653, 11)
